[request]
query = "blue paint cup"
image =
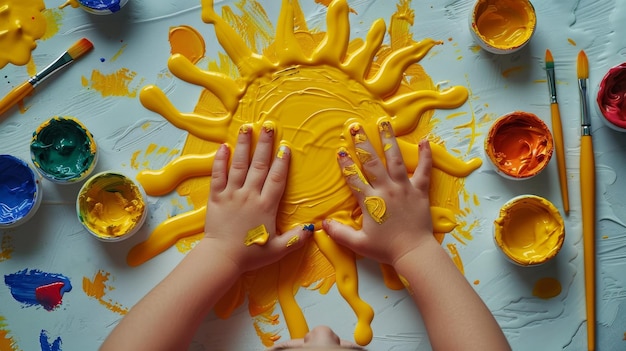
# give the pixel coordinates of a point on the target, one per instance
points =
(102, 7)
(20, 191)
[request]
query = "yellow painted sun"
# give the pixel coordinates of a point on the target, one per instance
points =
(311, 86)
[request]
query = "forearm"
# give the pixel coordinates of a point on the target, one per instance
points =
(455, 316)
(168, 316)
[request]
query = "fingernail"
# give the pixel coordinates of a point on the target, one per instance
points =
(422, 144)
(224, 147)
(385, 128)
(342, 152)
(355, 128)
(244, 129)
(283, 151)
(268, 127)
(357, 133)
(308, 227)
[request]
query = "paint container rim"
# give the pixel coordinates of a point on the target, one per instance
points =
(131, 231)
(101, 10)
(542, 203)
(619, 68)
(500, 122)
(37, 195)
(92, 145)
(485, 45)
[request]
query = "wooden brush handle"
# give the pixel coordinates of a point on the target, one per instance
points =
(557, 130)
(588, 202)
(15, 96)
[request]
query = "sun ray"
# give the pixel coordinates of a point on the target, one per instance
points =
(248, 62)
(359, 62)
(163, 181)
(219, 84)
(442, 159)
(204, 127)
(166, 234)
(286, 39)
(333, 47)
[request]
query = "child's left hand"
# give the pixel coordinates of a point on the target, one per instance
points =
(244, 200)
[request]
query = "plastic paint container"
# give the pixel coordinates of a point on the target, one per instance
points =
(529, 230)
(102, 7)
(519, 145)
(111, 206)
(63, 150)
(20, 192)
(611, 98)
(503, 26)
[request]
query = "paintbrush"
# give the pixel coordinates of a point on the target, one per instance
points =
(588, 199)
(23, 90)
(557, 130)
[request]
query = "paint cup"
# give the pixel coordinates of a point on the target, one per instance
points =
(529, 230)
(611, 98)
(20, 192)
(63, 150)
(111, 206)
(519, 145)
(502, 26)
(102, 7)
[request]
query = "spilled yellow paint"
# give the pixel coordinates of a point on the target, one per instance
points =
(118, 53)
(311, 85)
(54, 19)
(23, 23)
(113, 84)
(547, 288)
(153, 154)
(97, 288)
(6, 247)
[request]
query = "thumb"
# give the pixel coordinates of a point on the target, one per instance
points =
(342, 234)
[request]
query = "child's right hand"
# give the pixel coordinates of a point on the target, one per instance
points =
(396, 208)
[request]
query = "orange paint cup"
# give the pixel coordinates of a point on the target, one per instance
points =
(519, 145)
(529, 230)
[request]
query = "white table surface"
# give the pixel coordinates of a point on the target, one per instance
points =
(54, 241)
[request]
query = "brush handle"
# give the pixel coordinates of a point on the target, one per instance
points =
(557, 130)
(15, 96)
(588, 202)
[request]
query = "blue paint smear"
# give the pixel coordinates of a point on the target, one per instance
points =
(45, 345)
(24, 283)
(17, 189)
(102, 5)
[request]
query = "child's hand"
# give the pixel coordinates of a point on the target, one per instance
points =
(243, 203)
(396, 209)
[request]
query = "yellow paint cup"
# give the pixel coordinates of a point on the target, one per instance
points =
(503, 26)
(111, 206)
(529, 230)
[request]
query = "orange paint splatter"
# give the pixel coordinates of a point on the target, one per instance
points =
(7, 343)
(97, 289)
(546, 288)
(476, 282)
(114, 84)
(571, 41)
(6, 247)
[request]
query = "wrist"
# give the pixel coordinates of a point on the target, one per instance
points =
(412, 256)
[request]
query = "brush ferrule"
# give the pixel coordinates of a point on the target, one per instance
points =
(59, 63)
(585, 119)
(552, 85)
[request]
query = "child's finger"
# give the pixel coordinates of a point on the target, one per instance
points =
(373, 167)
(277, 176)
(395, 163)
(219, 173)
(344, 235)
(353, 175)
(421, 177)
(241, 158)
(260, 165)
(292, 239)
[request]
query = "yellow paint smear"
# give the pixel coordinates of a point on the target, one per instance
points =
(23, 23)
(377, 208)
(258, 235)
(97, 288)
(54, 18)
(311, 86)
(456, 258)
(547, 288)
(6, 247)
(7, 342)
(113, 84)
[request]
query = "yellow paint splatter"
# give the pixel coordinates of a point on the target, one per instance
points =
(154, 153)
(257, 235)
(571, 41)
(377, 208)
(546, 288)
(22, 24)
(6, 247)
(7, 342)
(509, 71)
(113, 84)
(54, 18)
(118, 53)
(456, 258)
(294, 239)
(97, 289)
(476, 282)
(185, 244)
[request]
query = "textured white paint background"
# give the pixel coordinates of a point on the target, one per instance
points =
(55, 242)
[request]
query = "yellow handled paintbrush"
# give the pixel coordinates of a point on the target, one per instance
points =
(23, 90)
(588, 200)
(557, 130)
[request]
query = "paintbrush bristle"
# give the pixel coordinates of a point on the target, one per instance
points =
(549, 59)
(79, 48)
(583, 65)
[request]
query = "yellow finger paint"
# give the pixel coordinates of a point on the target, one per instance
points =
(519, 145)
(111, 206)
(529, 230)
(187, 41)
(503, 26)
(294, 239)
(377, 208)
(257, 235)
(22, 23)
